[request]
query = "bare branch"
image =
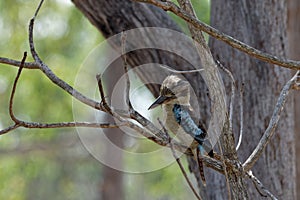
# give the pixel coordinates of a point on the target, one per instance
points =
(38, 8)
(20, 123)
(37, 125)
(16, 63)
(124, 57)
(260, 187)
(232, 93)
(211, 76)
(179, 162)
(103, 105)
(179, 71)
(68, 124)
(265, 139)
(48, 72)
(11, 100)
(241, 118)
(10, 128)
(167, 5)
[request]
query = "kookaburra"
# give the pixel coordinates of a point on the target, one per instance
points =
(174, 97)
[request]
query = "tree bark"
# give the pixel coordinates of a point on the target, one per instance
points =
(261, 24)
(294, 53)
(114, 16)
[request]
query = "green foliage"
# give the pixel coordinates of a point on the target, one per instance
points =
(202, 9)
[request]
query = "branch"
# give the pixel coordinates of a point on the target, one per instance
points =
(148, 129)
(127, 91)
(37, 125)
(170, 6)
(211, 76)
(241, 118)
(179, 162)
(232, 93)
(47, 71)
(225, 171)
(272, 124)
(259, 186)
(10, 128)
(20, 123)
(16, 63)
(11, 100)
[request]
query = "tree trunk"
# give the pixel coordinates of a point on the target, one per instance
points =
(114, 16)
(293, 33)
(112, 183)
(262, 81)
(261, 24)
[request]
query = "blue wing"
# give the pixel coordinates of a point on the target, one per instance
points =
(184, 119)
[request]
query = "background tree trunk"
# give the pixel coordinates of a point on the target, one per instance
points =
(114, 16)
(294, 53)
(258, 23)
(261, 24)
(112, 183)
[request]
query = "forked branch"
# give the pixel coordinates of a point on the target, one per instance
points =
(168, 5)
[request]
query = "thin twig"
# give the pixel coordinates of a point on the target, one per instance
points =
(167, 5)
(16, 63)
(124, 57)
(48, 72)
(34, 65)
(179, 71)
(10, 128)
(11, 100)
(241, 117)
(232, 93)
(179, 162)
(37, 125)
(259, 186)
(38, 8)
(104, 104)
(148, 130)
(265, 139)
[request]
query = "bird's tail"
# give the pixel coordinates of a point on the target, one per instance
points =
(200, 165)
(206, 147)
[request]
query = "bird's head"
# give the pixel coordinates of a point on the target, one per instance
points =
(173, 90)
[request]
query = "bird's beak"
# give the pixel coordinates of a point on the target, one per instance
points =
(160, 100)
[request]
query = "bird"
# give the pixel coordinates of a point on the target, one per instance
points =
(174, 97)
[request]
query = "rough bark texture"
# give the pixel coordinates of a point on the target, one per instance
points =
(262, 25)
(294, 53)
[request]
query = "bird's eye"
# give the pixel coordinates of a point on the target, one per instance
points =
(167, 92)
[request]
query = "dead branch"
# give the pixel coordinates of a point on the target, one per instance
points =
(21, 123)
(179, 162)
(16, 63)
(265, 139)
(49, 73)
(144, 126)
(167, 5)
(259, 186)
(241, 118)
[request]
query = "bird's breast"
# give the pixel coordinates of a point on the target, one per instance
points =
(174, 126)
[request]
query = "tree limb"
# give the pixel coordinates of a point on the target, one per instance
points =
(170, 6)
(265, 139)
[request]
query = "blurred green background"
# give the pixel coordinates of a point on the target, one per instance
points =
(52, 163)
